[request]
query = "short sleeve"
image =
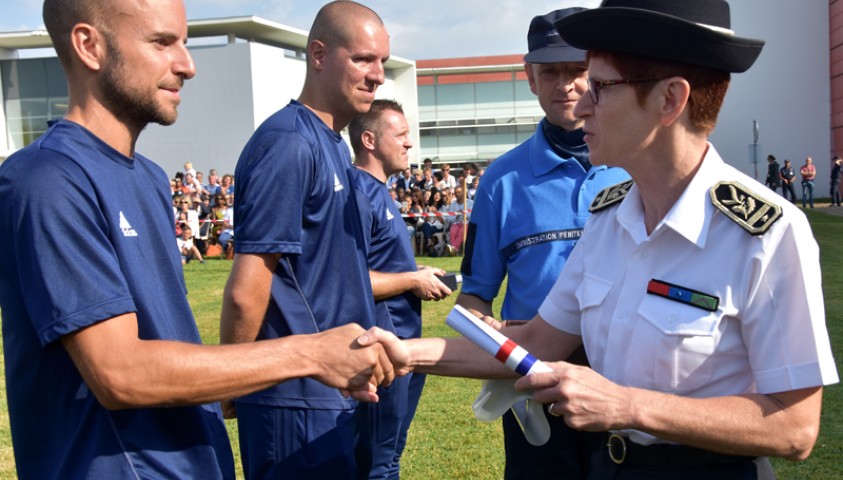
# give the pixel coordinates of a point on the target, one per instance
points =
(66, 263)
(783, 325)
(272, 178)
(484, 266)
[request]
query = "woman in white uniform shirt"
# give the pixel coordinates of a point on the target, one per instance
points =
(695, 290)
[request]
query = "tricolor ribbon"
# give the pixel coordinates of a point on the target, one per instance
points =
(494, 343)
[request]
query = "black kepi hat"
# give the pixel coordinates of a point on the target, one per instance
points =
(695, 32)
(544, 43)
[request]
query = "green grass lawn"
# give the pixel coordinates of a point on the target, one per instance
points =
(446, 442)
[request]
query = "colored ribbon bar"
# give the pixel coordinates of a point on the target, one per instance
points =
(683, 295)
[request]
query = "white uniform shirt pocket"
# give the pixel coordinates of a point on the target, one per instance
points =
(671, 346)
(592, 291)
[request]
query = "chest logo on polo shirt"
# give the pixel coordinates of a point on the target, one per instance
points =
(126, 227)
(746, 208)
(337, 183)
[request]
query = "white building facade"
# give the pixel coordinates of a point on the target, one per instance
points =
(459, 110)
(247, 68)
(474, 109)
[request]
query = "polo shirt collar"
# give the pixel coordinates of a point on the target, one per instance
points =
(543, 158)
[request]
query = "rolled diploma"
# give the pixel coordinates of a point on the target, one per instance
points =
(494, 342)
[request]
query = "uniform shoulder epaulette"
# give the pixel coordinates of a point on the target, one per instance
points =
(610, 196)
(746, 208)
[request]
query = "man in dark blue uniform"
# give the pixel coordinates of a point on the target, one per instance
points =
(300, 264)
(105, 374)
(381, 141)
(788, 176)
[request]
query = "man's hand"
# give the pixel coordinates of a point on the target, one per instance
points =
(427, 286)
(344, 363)
(396, 350)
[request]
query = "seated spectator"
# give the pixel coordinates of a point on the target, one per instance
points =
(447, 179)
(435, 199)
(472, 187)
(456, 224)
(427, 181)
(181, 222)
(438, 182)
(404, 180)
(418, 179)
(185, 206)
(227, 185)
(413, 214)
(431, 226)
(394, 195)
(191, 186)
(226, 233)
(470, 171)
(179, 179)
(187, 249)
(218, 215)
(213, 186)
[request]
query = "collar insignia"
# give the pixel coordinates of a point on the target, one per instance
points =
(753, 213)
(610, 196)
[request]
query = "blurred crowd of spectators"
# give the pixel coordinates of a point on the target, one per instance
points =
(433, 202)
(203, 213)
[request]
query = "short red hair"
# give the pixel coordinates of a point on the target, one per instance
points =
(708, 86)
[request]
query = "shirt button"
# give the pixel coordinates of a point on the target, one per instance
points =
(643, 254)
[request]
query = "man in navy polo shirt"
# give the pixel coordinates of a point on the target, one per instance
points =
(529, 212)
(300, 264)
(380, 139)
(105, 374)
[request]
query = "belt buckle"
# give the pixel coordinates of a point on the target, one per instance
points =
(616, 442)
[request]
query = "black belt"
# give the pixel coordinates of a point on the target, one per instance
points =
(623, 451)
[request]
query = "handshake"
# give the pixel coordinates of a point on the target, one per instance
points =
(356, 361)
(375, 357)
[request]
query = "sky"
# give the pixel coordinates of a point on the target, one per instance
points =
(419, 29)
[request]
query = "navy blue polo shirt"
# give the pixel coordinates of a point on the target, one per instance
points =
(87, 235)
(389, 251)
(294, 197)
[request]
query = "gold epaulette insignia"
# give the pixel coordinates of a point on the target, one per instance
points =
(744, 207)
(610, 196)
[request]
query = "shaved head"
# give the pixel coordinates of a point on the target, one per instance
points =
(61, 15)
(334, 24)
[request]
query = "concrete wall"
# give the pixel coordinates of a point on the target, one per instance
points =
(786, 91)
(216, 115)
(5, 146)
(836, 74)
(236, 88)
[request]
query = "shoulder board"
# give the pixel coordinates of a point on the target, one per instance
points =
(746, 208)
(610, 196)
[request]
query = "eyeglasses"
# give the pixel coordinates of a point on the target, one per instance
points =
(594, 86)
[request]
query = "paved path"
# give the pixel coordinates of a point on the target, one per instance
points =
(827, 208)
